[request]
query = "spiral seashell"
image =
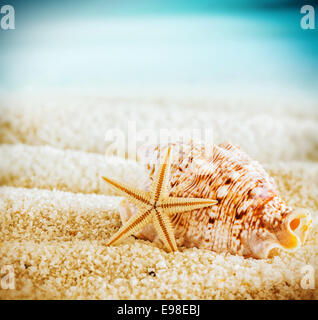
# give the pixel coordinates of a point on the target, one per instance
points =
(250, 218)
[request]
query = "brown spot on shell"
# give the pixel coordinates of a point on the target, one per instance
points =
(250, 194)
(211, 220)
(240, 215)
(173, 184)
(238, 167)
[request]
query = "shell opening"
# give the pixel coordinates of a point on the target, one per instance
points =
(294, 224)
(292, 234)
(300, 224)
(296, 229)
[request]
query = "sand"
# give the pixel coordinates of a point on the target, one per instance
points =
(56, 213)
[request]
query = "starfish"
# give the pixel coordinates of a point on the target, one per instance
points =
(155, 206)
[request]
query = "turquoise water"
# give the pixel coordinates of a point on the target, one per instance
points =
(146, 46)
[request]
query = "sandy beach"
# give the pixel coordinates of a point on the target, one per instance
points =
(56, 213)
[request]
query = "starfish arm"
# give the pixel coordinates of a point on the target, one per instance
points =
(164, 229)
(159, 186)
(134, 224)
(174, 205)
(138, 197)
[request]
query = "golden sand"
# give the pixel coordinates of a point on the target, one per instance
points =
(56, 213)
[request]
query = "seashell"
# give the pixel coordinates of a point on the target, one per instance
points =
(250, 218)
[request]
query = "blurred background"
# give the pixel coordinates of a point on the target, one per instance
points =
(147, 45)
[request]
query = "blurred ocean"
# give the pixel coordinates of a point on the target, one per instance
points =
(142, 45)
